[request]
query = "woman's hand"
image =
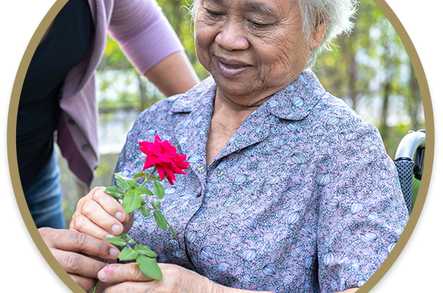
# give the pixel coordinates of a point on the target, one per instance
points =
(99, 215)
(128, 278)
(77, 253)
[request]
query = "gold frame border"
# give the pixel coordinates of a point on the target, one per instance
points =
(56, 267)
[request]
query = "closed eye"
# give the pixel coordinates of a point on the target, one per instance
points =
(214, 13)
(259, 25)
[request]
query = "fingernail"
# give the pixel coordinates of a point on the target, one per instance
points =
(102, 276)
(119, 216)
(117, 229)
(113, 251)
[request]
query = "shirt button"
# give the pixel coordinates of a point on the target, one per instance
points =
(200, 168)
(297, 102)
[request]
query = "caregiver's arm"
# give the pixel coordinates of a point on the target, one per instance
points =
(173, 75)
(151, 44)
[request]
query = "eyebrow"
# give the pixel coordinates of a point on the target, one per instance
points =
(260, 8)
(250, 6)
(217, 2)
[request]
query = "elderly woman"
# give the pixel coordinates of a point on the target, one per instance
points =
(288, 191)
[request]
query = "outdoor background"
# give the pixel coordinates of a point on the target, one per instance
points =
(369, 68)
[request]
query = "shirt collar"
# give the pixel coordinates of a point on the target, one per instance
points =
(203, 92)
(294, 102)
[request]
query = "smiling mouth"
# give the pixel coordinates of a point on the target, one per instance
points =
(231, 68)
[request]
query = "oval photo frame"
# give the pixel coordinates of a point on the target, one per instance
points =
(56, 267)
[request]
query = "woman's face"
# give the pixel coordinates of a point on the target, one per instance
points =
(252, 48)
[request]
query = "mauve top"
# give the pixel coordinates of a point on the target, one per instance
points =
(302, 198)
(146, 37)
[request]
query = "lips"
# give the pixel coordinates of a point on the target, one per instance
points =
(230, 68)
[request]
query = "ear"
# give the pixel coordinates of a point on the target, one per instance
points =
(318, 35)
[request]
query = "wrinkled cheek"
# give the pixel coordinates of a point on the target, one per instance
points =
(274, 68)
(202, 47)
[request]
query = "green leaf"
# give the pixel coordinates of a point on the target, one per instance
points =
(156, 204)
(114, 192)
(143, 190)
(159, 190)
(132, 184)
(125, 237)
(117, 241)
(149, 267)
(139, 174)
(122, 181)
(173, 232)
(145, 211)
(131, 201)
(128, 254)
(145, 250)
(128, 238)
(160, 220)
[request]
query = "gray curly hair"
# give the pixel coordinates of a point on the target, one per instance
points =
(337, 15)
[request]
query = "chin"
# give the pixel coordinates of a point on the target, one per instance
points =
(234, 88)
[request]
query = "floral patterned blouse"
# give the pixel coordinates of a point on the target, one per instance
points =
(302, 198)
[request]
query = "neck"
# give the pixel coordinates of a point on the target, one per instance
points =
(235, 104)
(235, 107)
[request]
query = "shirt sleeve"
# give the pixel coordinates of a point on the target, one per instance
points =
(361, 213)
(143, 32)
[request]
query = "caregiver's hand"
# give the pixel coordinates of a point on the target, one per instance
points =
(99, 215)
(128, 278)
(77, 253)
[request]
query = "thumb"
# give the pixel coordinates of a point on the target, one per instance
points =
(117, 273)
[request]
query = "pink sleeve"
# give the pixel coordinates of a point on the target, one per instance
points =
(143, 32)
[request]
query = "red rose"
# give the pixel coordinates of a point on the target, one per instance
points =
(164, 157)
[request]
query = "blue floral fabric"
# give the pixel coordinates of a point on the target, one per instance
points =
(302, 198)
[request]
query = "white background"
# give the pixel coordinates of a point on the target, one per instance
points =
(418, 268)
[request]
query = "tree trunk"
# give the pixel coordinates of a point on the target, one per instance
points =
(346, 45)
(142, 90)
(178, 18)
(414, 99)
(353, 82)
(384, 128)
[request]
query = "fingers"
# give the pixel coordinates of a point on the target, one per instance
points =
(117, 273)
(74, 241)
(77, 264)
(103, 212)
(109, 204)
(133, 287)
(95, 212)
(85, 283)
(82, 224)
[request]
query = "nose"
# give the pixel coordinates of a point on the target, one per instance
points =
(231, 37)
